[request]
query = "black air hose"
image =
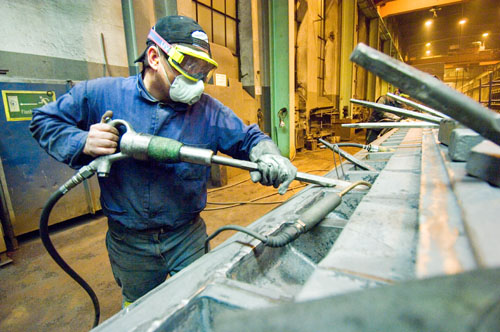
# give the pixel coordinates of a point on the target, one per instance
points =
(49, 246)
(287, 234)
(291, 231)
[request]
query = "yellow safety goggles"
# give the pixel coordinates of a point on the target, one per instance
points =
(193, 64)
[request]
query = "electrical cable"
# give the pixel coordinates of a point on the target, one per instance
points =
(44, 236)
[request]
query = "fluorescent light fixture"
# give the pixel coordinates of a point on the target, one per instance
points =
(428, 52)
(428, 45)
(462, 21)
(428, 23)
(485, 34)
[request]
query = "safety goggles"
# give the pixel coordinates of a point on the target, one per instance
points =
(193, 64)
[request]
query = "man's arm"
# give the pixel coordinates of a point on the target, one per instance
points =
(62, 129)
(248, 142)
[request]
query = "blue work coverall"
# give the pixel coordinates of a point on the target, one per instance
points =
(152, 208)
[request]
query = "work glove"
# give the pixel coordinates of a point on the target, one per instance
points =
(274, 169)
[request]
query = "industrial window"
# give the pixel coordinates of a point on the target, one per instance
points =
(219, 20)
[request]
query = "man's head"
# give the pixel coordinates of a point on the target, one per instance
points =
(184, 43)
(177, 60)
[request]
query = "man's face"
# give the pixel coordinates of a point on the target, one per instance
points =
(192, 62)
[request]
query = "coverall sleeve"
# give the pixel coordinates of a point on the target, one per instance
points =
(61, 127)
(235, 138)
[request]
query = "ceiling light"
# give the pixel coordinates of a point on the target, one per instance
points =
(462, 21)
(428, 52)
(428, 45)
(428, 23)
(485, 34)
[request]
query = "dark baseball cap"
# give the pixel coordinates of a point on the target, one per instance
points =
(179, 30)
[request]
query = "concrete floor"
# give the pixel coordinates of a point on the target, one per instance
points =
(36, 295)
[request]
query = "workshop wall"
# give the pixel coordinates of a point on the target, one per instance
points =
(61, 39)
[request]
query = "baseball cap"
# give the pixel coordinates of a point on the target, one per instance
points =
(179, 30)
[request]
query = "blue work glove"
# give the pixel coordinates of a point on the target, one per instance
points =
(274, 169)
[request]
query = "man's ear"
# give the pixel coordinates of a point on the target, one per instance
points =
(153, 57)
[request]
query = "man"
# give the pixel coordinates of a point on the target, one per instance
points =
(153, 209)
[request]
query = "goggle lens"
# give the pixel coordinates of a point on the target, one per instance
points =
(197, 68)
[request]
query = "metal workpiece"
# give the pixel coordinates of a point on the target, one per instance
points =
(375, 125)
(430, 90)
(461, 142)
(398, 111)
(417, 106)
(446, 127)
(484, 162)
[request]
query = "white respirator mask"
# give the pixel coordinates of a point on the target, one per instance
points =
(184, 90)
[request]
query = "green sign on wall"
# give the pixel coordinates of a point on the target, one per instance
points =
(19, 104)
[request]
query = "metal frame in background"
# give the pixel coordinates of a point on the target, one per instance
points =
(430, 91)
(210, 7)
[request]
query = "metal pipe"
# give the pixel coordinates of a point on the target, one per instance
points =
(375, 125)
(398, 111)
(417, 106)
(304, 177)
(430, 91)
(130, 38)
(347, 156)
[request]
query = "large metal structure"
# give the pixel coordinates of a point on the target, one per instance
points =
(29, 174)
(416, 222)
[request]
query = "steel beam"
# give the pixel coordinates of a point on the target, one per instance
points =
(375, 125)
(417, 106)
(373, 40)
(398, 111)
(130, 38)
(347, 44)
(430, 91)
(280, 75)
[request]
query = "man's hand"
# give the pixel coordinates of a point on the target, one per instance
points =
(101, 140)
(274, 169)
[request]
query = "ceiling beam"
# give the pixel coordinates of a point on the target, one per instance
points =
(459, 58)
(403, 6)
